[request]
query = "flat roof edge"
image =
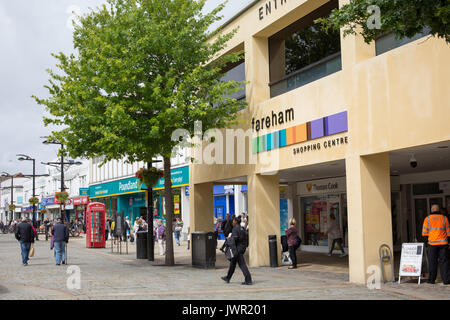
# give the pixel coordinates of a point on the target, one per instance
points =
(229, 21)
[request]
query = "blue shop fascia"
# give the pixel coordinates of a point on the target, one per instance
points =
(130, 197)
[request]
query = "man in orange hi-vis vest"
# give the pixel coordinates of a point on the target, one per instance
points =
(437, 229)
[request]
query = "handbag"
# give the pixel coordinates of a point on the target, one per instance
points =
(31, 251)
(178, 229)
(299, 242)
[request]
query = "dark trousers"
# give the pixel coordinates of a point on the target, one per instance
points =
(293, 255)
(242, 265)
(436, 253)
(339, 242)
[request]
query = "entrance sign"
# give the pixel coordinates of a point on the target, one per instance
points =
(411, 260)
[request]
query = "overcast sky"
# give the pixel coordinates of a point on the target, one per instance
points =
(30, 30)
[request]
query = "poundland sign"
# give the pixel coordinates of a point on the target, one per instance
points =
(180, 177)
(113, 188)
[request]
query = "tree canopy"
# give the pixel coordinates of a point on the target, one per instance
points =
(402, 18)
(142, 70)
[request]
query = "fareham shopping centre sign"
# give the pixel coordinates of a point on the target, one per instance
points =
(303, 135)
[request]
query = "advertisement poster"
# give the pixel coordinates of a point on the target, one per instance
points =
(176, 204)
(411, 260)
(284, 218)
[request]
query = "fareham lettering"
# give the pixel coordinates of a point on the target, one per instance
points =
(273, 120)
(266, 9)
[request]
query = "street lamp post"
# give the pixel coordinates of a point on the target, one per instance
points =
(150, 240)
(23, 157)
(5, 174)
(62, 167)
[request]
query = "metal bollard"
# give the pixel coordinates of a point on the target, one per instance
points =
(273, 252)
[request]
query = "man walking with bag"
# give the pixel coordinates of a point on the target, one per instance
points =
(25, 235)
(61, 234)
(239, 246)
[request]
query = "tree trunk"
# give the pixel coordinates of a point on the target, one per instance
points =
(170, 261)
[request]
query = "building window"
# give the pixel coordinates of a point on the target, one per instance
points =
(236, 72)
(303, 52)
(388, 41)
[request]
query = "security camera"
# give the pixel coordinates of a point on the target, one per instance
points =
(413, 162)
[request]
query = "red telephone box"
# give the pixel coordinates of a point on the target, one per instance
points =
(95, 225)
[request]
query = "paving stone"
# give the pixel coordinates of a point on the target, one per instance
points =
(111, 276)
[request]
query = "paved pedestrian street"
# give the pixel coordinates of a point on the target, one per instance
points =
(106, 275)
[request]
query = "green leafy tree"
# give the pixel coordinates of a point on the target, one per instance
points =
(402, 18)
(142, 70)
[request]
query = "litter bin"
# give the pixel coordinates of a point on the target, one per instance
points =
(141, 245)
(273, 253)
(204, 250)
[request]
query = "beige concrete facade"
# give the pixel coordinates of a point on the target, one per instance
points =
(396, 100)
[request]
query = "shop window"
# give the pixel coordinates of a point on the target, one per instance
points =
(303, 52)
(388, 41)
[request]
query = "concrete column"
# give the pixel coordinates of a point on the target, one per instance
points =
(201, 207)
(185, 207)
(293, 202)
(353, 48)
(264, 217)
(257, 55)
(369, 213)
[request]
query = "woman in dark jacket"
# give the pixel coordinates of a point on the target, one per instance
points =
(291, 235)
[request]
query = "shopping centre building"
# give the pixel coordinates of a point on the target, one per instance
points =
(336, 125)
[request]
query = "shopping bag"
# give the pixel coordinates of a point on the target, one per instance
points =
(31, 252)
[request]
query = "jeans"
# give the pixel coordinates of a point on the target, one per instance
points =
(293, 255)
(161, 247)
(60, 251)
(25, 251)
(177, 237)
(339, 243)
(239, 259)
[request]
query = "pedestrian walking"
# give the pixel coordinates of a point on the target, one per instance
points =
(188, 237)
(436, 230)
(161, 233)
(177, 227)
(238, 242)
(24, 234)
(34, 229)
(292, 235)
(61, 237)
(334, 234)
(127, 227)
(107, 228)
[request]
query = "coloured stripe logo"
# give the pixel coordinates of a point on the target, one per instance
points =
(311, 130)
